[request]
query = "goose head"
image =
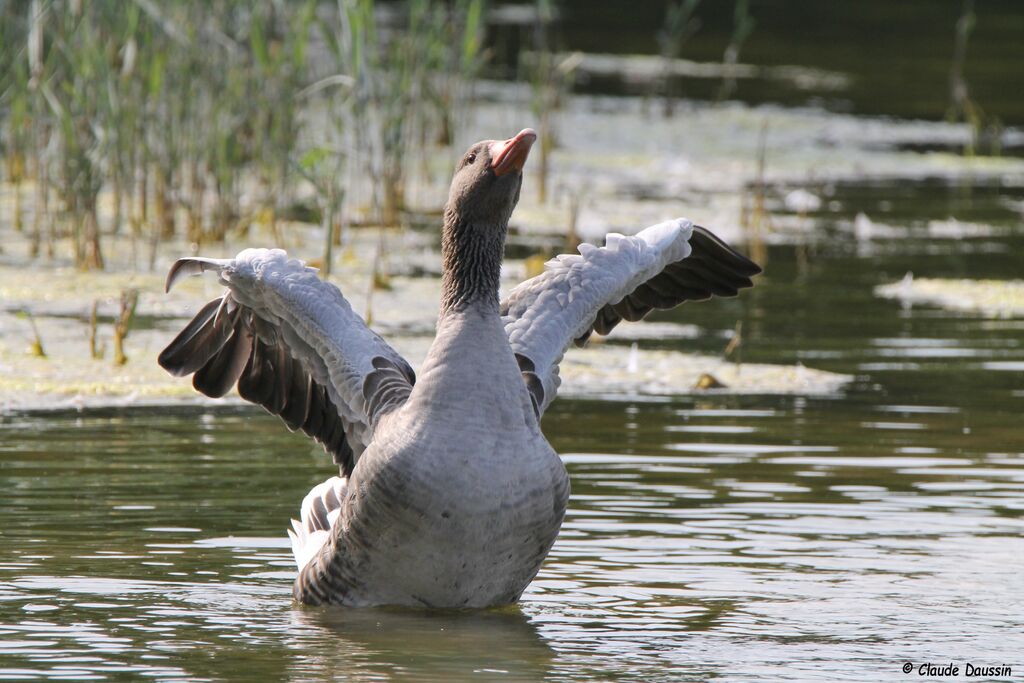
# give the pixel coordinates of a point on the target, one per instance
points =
(485, 188)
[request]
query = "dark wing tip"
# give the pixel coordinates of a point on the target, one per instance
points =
(705, 242)
(203, 337)
(713, 268)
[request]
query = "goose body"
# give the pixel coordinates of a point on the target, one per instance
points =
(476, 505)
(448, 493)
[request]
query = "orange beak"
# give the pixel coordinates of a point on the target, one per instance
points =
(511, 154)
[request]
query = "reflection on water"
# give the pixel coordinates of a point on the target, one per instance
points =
(747, 538)
(436, 646)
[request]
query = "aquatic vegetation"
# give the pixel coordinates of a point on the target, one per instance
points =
(754, 217)
(322, 168)
(408, 80)
(125, 101)
(996, 298)
(188, 120)
(601, 371)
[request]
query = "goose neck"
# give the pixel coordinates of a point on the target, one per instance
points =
(471, 253)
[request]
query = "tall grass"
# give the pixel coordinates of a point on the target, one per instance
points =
(192, 119)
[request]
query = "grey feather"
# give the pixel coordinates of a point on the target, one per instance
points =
(222, 371)
(258, 336)
(197, 343)
(658, 269)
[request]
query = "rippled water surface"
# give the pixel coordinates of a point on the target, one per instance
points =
(752, 538)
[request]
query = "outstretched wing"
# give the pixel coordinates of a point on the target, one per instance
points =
(294, 345)
(578, 294)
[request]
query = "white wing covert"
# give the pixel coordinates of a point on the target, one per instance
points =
(294, 345)
(658, 268)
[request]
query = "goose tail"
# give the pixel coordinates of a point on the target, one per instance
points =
(320, 511)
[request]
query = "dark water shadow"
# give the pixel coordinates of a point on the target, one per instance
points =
(420, 645)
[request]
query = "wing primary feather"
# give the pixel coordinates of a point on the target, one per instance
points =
(199, 341)
(702, 240)
(317, 407)
(256, 383)
(296, 408)
(689, 287)
(719, 284)
(280, 367)
(646, 297)
(631, 310)
(606, 320)
(222, 371)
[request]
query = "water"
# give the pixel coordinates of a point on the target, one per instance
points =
(751, 538)
(736, 538)
(895, 57)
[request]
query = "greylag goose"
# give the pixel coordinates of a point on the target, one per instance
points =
(448, 493)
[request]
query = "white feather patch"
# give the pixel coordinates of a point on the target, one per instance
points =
(546, 313)
(321, 509)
